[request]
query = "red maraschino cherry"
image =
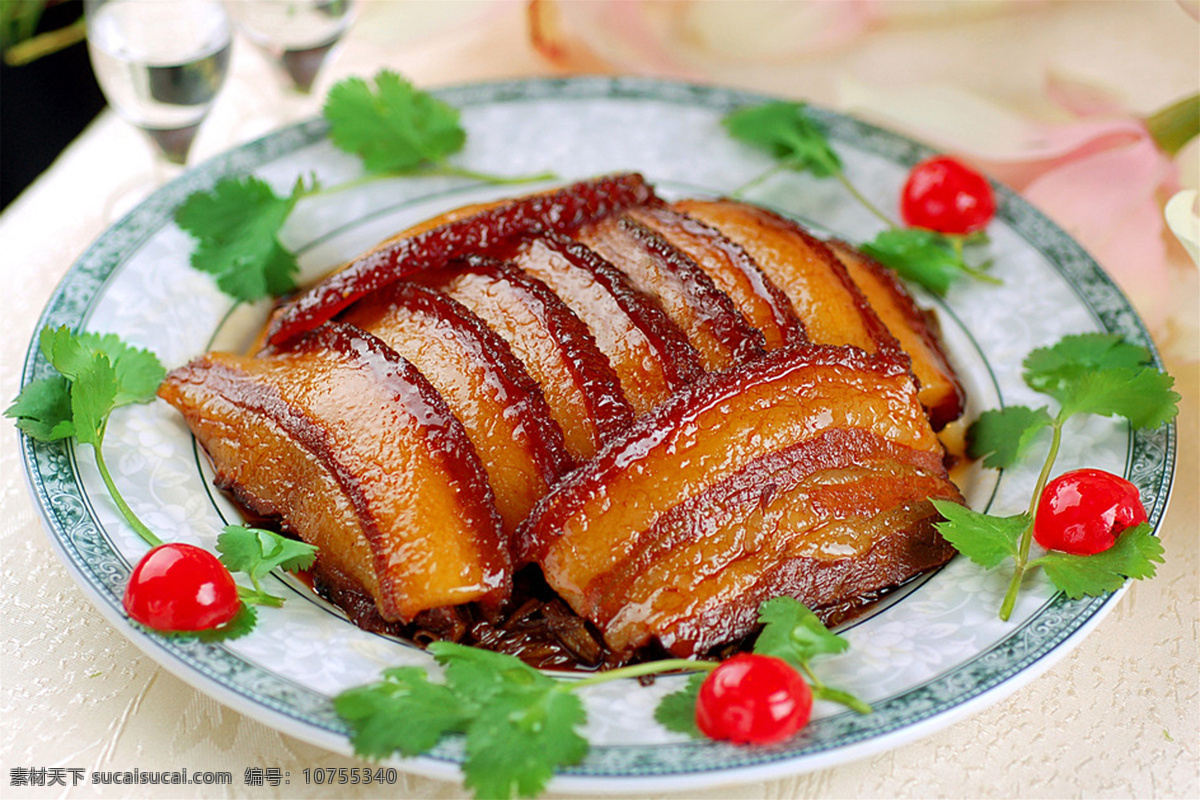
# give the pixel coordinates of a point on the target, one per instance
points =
(1084, 511)
(943, 195)
(180, 587)
(753, 699)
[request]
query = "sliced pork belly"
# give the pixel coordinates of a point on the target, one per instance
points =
(502, 409)
(941, 391)
(732, 271)
(649, 353)
(655, 267)
(562, 210)
(354, 452)
(580, 387)
(800, 471)
(828, 520)
(831, 306)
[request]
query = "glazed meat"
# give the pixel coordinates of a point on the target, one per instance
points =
(761, 302)
(646, 417)
(708, 318)
(915, 329)
(749, 483)
(649, 353)
(353, 450)
(832, 308)
(576, 379)
(462, 234)
(501, 408)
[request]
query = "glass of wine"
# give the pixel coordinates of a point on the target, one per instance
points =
(298, 34)
(160, 64)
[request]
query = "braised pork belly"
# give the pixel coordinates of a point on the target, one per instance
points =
(588, 426)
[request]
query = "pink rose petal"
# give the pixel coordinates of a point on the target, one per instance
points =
(1108, 201)
(1011, 148)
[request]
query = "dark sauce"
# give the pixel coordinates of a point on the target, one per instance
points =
(536, 625)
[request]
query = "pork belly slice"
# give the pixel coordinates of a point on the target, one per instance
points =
(696, 482)
(563, 210)
(831, 306)
(650, 354)
(580, 387)
(941, 390)
(352, 449)
(655, 267)
(732, 271)
(501, 408)
(828, 520)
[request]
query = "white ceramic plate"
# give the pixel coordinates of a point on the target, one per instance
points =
(925, 658)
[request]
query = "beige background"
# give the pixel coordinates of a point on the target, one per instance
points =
(1119, 716)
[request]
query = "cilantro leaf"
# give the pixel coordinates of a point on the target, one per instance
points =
(242, 623)
(43, 409)
(256, 551)
(519, 737)
(65, 350)
(396, 127)
(138, 372)
(1101, 373)
(677, 710)
(377, 713)
(1141, 395)
(98, 374)
(480, 674)
(1049, 369)
(794, 633)
(1003, 435)
(523, 722)
(93, 397)
(984, 539)
(922, 256)
(1091, 373)
(1132, 556)
(784, 129)
(236, 226)
(519, 724)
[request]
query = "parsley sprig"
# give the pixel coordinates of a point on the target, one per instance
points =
(791, 632)
(785, 130)
(1086, 374)
(393, 127)
(520, 724)
(98, 373)
(397, 129)
(257, 552)
(236, 226)
(794, 633)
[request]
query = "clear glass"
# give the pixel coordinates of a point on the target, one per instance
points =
(160, 64)
(298, 34)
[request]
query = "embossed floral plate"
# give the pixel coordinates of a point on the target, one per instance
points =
(929, 655)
